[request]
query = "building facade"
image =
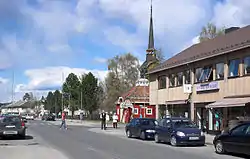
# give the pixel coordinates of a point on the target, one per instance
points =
(208, 82)
(135, 103)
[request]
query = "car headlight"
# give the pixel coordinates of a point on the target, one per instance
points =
(179, 133)
(202, 133)
(150, 131)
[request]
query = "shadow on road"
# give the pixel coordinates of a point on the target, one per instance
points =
(27, 137)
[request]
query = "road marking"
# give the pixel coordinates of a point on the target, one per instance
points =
(104, 154)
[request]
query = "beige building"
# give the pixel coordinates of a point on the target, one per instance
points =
(208, 82)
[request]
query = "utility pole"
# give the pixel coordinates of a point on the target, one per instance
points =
(81, 99)
(12, 87)
(62, 89)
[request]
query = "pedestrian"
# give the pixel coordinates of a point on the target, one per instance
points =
(107, 119)
(103, 120)
(63, 124)
(81, 116)
(115, 120)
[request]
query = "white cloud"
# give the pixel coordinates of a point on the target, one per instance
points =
(100, 60)
(51, 78)
(232, 13)
(120, 37)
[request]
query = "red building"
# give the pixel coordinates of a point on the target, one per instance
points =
(135, 103)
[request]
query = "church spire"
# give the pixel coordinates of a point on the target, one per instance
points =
(151, 33)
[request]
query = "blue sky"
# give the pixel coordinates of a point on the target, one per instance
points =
(41, 39)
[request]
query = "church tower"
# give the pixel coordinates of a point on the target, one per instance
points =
(150, 56)
(150, 52)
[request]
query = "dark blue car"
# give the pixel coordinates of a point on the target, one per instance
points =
(143, 128)
(178, 131)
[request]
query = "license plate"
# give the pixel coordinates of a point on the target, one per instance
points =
(10, 132)
(10, 126)
(193, 138)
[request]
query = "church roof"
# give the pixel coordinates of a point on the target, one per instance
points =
(137, 94)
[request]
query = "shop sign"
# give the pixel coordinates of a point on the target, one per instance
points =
(126, 104)
(207, 86)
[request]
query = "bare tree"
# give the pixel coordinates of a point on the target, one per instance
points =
(210, 31)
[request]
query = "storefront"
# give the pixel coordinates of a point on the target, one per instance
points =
(225, 110)
(178, 108)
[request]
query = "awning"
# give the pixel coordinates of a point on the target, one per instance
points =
(175, 102)
(229, 102)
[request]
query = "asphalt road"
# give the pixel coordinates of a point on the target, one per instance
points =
(79, 143)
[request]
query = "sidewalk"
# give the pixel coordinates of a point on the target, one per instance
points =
(121, 132)
(87, 123)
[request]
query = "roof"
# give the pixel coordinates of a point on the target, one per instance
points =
(223, 44)
(16, 105)
(137, 94)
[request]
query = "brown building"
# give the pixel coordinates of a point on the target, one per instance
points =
(209, 82)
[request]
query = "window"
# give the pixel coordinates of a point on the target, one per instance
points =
(172, 80)
(162, 82)
(247, 65)
(180, 79)
(204, 74)
(240, 130)
(219, 71)
(187, 77)
(198, 72)
(234, 68)
(149, 111)
(136, 111)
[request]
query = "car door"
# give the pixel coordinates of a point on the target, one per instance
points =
(130, 125)
(168, 130)
(137, 127)
(160, 129)
(236, 141)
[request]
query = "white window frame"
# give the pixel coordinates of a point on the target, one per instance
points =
(150, 112)
(137, 111)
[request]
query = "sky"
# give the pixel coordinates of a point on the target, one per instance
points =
(42, 41)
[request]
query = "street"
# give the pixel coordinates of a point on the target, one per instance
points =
(45, 139)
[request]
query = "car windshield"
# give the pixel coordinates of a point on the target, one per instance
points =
(184, 124)
(148, 122)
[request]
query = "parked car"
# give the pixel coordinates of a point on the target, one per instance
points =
(48, 117)
(12, 125)
(29, 117)
(236, 140)
(178, 131)
(141, 127)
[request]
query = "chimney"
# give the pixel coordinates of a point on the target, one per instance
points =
(231, 29)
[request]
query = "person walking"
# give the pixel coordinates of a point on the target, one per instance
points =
(103, 120)
(63, 124)
(115, 120)
(107, 119)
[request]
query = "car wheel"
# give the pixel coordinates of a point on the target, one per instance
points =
(173, 141)
(219, 148)
(143, 135)
(128, 133)
(157, 138)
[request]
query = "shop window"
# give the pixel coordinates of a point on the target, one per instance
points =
(204, 74)
(136, 111)
(187, 77)
(172, 80)
(247, 65)
(180, 79)
(162, 82)
(219, 71)
(149, 111)
(234, 66)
